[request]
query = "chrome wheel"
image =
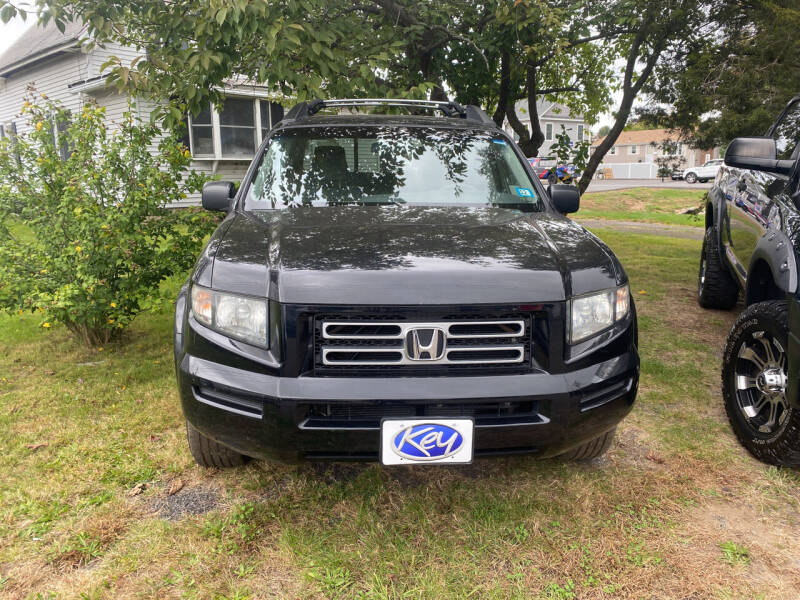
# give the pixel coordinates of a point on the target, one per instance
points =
(761, 383)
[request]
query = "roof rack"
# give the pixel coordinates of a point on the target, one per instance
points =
(304, 110)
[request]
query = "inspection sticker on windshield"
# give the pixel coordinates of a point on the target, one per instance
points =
(501, 142)
(524, 192)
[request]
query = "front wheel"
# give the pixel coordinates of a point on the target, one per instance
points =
(208, 453)
(715, 286)
(690, 178)
(591, 449)
(754, 378)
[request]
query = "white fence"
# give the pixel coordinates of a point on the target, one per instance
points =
(630, 170)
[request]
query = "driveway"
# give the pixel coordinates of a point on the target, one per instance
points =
(605, 185)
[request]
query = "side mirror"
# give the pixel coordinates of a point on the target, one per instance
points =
(566, 198)
(758, 154)
(217, 195)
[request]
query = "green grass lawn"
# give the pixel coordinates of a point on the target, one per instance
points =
(93, 442)
(651, 205)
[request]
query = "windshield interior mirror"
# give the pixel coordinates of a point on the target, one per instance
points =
(218, 195)
(566, 198)
(758, 154)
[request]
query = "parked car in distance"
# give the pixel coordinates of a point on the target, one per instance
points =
(554, 173)
(703, 173)
(676, 175)
(402, 289)
(751, 244)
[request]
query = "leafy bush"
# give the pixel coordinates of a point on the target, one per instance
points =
(85, 235)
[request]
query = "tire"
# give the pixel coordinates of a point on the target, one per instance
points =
(690, 178)
(208, 453)
(716, 288)
(754, 377)
(591, 449)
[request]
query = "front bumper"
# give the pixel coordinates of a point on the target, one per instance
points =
(296, 418)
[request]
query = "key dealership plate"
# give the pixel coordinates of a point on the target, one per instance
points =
(426, 441)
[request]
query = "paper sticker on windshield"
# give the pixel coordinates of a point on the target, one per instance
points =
(501, 142)
(524, 192)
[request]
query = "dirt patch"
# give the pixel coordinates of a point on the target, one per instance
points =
(674, 231)
(196, 500)
(633, 446)
(680, 310)
(770, 537)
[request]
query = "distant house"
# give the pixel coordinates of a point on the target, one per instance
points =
(552, 117)
(634, 153)
(222, 140)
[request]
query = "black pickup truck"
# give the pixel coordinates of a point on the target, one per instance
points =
(751, 244)
(400, 288)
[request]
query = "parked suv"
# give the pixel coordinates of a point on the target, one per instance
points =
(703, 173)
(400, 288)
(751, 243)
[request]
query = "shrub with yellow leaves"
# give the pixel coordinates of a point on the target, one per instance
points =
(87, 233)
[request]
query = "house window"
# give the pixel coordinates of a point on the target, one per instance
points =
(580, 133)
(59, 127)
(548, 132)
(633, 149)
(613, 150)
(237, 128)
(201, 134)
(11, 132)
(234, 130)
(271, 113)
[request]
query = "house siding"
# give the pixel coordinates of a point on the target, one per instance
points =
(52, 76)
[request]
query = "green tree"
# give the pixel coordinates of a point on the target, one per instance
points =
(668, 158)
(661, 30)
(737, 74)
(87, 237)
(493, 53)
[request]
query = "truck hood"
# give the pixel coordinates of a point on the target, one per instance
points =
(407, 255)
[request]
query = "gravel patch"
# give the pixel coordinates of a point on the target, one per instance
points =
(188, 501)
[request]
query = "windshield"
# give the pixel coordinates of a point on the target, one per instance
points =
(329, 166)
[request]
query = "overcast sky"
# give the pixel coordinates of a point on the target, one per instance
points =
(9, 32)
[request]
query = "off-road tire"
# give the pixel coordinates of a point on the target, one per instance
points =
(690, 178)
(716, 288)
(591, 449)
(208, 453)
(781, 446)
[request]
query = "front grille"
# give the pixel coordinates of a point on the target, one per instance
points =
(348, 415)
(394, 344)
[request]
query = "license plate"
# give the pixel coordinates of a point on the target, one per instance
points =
(426, 441)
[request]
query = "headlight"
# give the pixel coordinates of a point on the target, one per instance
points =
(239, 317)
(591, 314)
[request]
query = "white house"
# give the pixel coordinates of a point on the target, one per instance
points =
(634, 154)
(222, 140)
(552, 117)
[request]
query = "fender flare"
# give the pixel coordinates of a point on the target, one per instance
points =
(718, 205)
(777, 251)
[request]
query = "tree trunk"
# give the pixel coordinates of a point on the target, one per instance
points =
(537, 136)
(530, 140)
(623, 112)
(630, 90)
(505, 84)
